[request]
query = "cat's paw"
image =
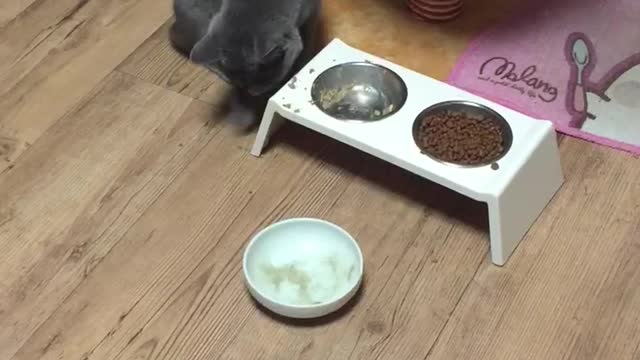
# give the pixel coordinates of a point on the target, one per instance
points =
(241, 115)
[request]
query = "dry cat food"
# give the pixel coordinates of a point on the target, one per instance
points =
(456, 137)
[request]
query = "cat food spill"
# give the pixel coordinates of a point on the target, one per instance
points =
(292, 83)
(313, 279)
(288, 106)
(458, 138)
(311, 71)
(495, 166)
(297, 111)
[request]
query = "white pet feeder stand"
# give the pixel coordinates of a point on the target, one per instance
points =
(528, 176)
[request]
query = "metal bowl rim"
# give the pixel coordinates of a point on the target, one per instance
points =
(403, 84)
(502, 122)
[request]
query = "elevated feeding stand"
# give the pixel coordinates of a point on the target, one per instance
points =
(516, 191)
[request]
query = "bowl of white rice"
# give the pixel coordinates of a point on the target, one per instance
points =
(303, 268)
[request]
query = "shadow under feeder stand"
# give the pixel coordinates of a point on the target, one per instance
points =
(516, 186)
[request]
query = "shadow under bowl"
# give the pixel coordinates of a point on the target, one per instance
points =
(359, 91)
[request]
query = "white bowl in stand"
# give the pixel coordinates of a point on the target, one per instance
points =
(516, 189)
(298, 242)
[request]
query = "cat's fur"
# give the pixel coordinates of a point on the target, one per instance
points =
(255, 45)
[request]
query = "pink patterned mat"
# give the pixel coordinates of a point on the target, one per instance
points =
(575, 62)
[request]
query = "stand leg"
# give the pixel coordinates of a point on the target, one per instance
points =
(524, 198)
(271, 121)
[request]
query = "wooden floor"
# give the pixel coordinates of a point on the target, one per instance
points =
(125, 205)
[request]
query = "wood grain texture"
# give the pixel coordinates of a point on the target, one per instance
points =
(571, 291)
(401, 286)
(154, 267)
(157, 62)
(79, 189)
(10, 9)
(125, 205)
(55, 51)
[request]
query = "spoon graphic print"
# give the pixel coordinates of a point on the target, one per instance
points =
(581, 58)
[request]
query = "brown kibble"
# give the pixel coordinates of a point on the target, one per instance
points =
(457, 138)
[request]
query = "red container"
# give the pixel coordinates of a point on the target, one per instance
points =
(435, 10)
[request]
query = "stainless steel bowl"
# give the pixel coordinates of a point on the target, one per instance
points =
(473, 110)
(359, 91)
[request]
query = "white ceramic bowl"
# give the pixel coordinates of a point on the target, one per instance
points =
(303, 242)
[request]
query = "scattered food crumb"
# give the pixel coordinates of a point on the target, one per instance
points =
(296, 111)
(389, 109)
(311, 71)
(292, 83)
(495, 166)
(288, 106)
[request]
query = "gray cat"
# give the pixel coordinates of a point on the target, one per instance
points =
(255, 45)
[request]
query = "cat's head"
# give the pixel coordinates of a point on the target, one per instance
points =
(256, 61)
